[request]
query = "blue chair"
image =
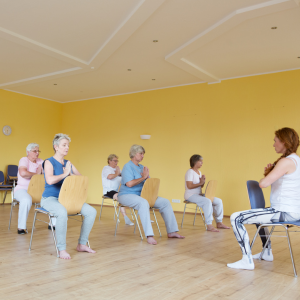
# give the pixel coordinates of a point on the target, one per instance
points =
(257, 200)
(4, 187)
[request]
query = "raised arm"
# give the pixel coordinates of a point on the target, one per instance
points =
(190, 185)
(284, 166)
(52, 179)
(26, 174)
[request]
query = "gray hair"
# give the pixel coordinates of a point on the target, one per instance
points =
(136, 149)
(111, 157)
(58, 137)
(31, 146)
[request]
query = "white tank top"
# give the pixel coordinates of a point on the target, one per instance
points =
(285, 191)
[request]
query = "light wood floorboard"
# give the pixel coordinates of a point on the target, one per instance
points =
(125, 267)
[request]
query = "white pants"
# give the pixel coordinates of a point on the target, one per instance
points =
(209, 208)
(25, 202)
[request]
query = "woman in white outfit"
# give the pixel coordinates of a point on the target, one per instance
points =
(111, 179)
(284, 178)
(194, 182)
(28, 166)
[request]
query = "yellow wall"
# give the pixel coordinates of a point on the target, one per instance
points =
(231, 124)
(32, 120)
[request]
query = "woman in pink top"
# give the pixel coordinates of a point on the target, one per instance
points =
(28, 166)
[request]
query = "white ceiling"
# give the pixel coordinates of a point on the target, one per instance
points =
(67, 50)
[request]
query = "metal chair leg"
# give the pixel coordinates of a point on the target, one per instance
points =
(183, 215)
(267, 242)
(117, 220)
(156, 222)
(137, 222)
(33, 225)
(11, 209)
(53, 233)
(101, 209)
(203, 218)
(291, 250)
(115, 208)
(195, 215)
(132, 216)
(4, 197)
(255, 236)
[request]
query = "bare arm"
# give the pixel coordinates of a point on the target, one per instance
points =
(117, 173)
(26, 174)
(52, 179)
(134, 182)
(190, 185)
(284, 166)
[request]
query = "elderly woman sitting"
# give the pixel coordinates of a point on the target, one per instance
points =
(111, 179)
(28, 166)
(56, 170)
(133, 178)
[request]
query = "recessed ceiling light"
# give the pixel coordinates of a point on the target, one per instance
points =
(55, 84)
(153, 79)
(93, 68)
(155, 41)
(273, 27)
(128, 69)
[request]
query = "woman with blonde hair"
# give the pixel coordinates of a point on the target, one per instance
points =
(111, 179)
(284, 178)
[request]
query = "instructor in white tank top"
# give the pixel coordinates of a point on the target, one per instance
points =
(284, 178)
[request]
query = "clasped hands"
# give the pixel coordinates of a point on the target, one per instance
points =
(145, 173)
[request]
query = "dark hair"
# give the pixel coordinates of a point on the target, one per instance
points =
(194, 159)
(290, 138)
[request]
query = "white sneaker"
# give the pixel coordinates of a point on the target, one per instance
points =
(246, 263)
(268, 255)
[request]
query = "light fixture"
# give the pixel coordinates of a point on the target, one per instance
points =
(128, 69)
(155, 41)
(145, 136)
(55, 84)
(93, 68)
(153, 79)
(274, 27)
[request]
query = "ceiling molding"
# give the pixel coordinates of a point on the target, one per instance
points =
(178, 57)
(142, 11)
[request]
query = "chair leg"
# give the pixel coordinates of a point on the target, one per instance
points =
(195, 215)
(11, 209)
(255, 236)
(33, 225)
(117, 220)
(4, 197)
(137, 222)
(203, 218)
(156, 222)
(132, 216)
(53, 233)
(115, 208)
(101, 209)
(264, 248)
(183, 215)
(291, 250)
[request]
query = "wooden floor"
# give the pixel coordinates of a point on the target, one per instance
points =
(124, 267)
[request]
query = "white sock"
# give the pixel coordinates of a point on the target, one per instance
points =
(245, 263)
(268, 255)
(127, 221)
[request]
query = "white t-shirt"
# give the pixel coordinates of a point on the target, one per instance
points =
(110, 184)
(191, 175)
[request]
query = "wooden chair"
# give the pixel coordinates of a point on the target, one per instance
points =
(210, 193)
(150, 193)
(73, 194)
(35, 190)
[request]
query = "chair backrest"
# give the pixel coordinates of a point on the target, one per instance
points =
(1, 178)
(211, 189)
(73, 193)
(12, 173)
(36, 187)
(150, 190)
(255, 194)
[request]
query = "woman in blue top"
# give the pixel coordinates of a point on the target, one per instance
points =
(133, 179)
(56, 169)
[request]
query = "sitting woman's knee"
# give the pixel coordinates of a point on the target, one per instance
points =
(144, 203)
(234, 216)
(61, 213)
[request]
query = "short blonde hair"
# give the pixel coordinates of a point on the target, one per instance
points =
(111, 157)
(136, 149)
(58, 137)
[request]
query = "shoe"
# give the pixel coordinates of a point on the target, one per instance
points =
(22, 231)
(268, 255)
(49, 227)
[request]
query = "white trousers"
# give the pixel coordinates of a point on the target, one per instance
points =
(209, 208)
(25, 202)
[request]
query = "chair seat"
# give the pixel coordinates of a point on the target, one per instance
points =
(297, 223)
(43, 211)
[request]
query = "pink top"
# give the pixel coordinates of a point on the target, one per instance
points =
(31, 167)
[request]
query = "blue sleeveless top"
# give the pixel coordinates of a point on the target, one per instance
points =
(52, 190)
